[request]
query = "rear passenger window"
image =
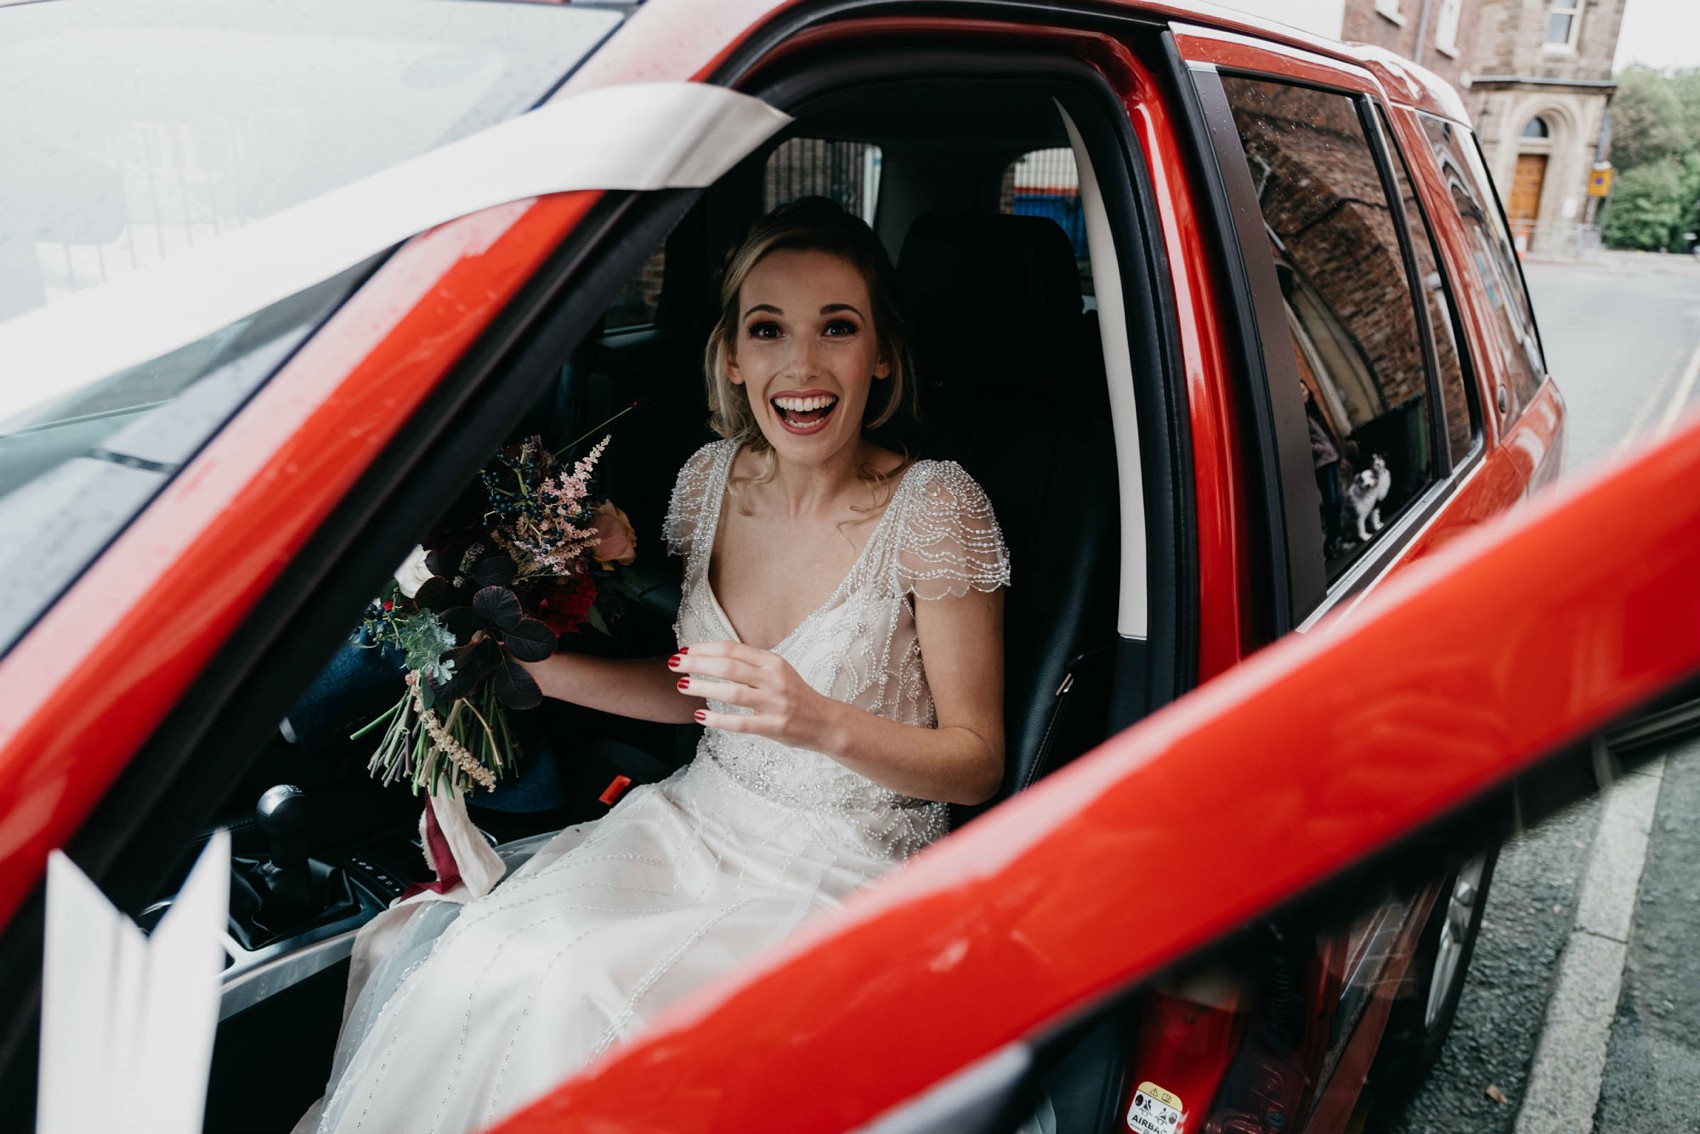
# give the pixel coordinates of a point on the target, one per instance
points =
(1519, 365)
(1342, 273)
(640, 300)
(847, 172)
(1455, 402)
(1046, 183)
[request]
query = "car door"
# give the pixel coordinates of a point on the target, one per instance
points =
(271, 534)
(930, 1002)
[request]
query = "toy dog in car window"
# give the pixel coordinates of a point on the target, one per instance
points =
(1365, 494)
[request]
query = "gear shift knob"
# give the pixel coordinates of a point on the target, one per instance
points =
(282, 815)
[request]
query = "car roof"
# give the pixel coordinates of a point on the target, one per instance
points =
(665, 22)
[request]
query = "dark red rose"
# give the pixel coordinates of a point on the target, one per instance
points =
(565, 607)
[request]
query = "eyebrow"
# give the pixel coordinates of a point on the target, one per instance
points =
(829, 309)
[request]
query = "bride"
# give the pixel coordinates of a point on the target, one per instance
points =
(840, 635)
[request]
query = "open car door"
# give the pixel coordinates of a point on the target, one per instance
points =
(929, 1004)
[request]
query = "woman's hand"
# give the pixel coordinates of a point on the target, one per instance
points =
(782, 705)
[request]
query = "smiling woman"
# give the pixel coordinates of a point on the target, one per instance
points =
(829, 749)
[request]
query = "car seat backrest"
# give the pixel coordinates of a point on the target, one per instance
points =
(1012, 387)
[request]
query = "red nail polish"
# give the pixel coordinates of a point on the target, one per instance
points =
(684, 683)
(683, 650)
(674, 661)
(700, 715)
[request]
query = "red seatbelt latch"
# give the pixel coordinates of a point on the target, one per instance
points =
(615, 789)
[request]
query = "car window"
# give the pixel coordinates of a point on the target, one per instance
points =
(183, 119)
(640, 300)
(75, 471)
(1046, 183)
(1520, 364)
(1455, 400)
(1341, 270)
(848, 172)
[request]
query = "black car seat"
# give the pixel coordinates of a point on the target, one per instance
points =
(1012, 386)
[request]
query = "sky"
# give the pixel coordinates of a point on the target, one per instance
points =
(1659, 33)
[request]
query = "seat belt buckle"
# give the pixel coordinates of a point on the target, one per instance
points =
(615, 789)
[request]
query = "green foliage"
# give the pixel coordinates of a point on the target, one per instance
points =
(1655, 145)
(1648, 119)
(1653, 206)
(424, 640)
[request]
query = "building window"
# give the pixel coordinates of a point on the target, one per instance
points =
(1564, 21)
(1446, 26)
(1390, 9)
(1537, 129)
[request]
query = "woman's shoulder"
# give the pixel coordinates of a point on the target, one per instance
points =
(693, 490)
(947, 535)
(944, 484)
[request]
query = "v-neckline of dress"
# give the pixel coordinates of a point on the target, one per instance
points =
(719, 490)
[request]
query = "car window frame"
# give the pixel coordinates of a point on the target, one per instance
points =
(1459, 463)
(1299, 590)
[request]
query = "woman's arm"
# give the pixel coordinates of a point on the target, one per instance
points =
(961, 761)
(643, 688)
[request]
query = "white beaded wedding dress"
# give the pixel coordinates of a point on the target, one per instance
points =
(474, 1010)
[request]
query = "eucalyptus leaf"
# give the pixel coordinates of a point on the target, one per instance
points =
(515, 688)
(531, 640)
(499, 607)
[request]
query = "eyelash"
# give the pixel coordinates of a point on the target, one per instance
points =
(767, 329)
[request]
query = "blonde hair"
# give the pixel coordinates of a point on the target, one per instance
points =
(813, 224)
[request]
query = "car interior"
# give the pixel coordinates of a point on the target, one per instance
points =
(974, 188)
(978, 170)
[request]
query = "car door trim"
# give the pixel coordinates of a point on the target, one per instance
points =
(1285, 480)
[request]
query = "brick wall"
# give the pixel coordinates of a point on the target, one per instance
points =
(1323, 200)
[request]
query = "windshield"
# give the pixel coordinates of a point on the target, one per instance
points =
(135, 129)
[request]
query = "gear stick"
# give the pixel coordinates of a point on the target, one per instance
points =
(282, 815)
(287, 880)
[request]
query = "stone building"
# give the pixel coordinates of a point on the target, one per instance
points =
(1536, 75)
(1438, 34)
(1540, 84)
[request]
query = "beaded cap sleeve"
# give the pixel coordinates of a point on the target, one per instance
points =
(949, 541)
(691, 497)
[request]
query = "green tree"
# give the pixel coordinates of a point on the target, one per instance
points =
(1650, 120)
(1650, 207)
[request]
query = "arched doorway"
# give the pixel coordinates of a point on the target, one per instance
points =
(1528, 179)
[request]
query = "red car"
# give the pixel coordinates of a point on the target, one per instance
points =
(1225, 319)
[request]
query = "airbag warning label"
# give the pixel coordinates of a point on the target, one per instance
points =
(1154, 1110)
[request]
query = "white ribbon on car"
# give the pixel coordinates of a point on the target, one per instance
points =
(636, 136)
(127, 1021)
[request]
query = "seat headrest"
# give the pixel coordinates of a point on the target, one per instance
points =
(991, 298)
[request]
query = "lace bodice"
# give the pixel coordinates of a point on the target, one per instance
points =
(936, 538)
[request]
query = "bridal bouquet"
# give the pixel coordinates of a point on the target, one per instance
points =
(513, 567)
